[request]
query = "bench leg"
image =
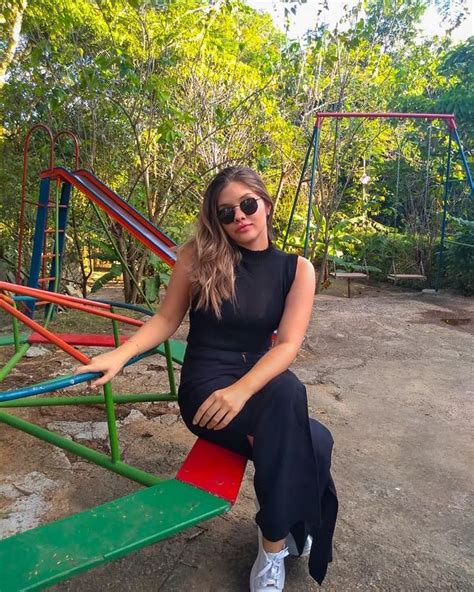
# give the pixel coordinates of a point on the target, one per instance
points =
(348, 287)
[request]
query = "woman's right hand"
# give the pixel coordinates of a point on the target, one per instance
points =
(109, 364)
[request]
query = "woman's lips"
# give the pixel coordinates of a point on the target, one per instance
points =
(243, 227)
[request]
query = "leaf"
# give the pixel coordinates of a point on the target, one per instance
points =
(114, 272)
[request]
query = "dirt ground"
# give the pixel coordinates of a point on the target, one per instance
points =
(390, 372)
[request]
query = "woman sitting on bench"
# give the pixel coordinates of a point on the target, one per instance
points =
(236, 390)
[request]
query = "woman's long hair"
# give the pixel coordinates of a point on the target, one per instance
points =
(213, 255)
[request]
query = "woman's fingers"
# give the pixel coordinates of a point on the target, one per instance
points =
(206, 411)
(225, 421)
(216, 412)
(108, 373)
(83, 369)
(217, 418)
(209, 414)
(102, 380)
(202, 409)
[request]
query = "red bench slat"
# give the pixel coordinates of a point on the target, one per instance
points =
(214, 469)
(80, 339)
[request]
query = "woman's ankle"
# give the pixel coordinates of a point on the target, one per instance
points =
(272, 546)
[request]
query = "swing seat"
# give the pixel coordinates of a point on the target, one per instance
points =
(406, 276)
(348, 276)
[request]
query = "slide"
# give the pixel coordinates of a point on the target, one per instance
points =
(118, 209)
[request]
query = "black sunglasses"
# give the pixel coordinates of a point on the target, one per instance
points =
(248, 206)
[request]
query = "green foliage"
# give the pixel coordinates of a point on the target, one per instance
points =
(385, 250)
(157, 277)
(347, 265)
(459, 271)
(114, 272)
(163, 94)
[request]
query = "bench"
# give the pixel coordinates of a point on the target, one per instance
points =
(206, 486)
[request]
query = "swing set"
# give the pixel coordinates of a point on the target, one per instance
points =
(311, 163)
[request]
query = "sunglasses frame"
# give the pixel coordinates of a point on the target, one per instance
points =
(223, 218)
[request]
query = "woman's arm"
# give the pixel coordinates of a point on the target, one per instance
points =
(166, 321)
(156, 330)
(223, 405)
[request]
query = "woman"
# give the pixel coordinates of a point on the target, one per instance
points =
(236, 390)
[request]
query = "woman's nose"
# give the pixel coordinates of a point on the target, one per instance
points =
(238, 215)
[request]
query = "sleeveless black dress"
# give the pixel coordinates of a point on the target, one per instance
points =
(291, 452)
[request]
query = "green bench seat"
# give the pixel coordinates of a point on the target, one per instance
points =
(43, 556)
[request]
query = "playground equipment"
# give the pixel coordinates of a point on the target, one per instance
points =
(349, 276)
(395, 276)
(311, 160)
(205, 486)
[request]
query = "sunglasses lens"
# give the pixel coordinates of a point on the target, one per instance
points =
(226, 215)
(249, 206)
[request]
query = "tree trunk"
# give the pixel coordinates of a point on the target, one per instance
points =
(281, 183)
(13, 30)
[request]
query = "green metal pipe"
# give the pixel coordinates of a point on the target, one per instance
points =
(86, 400)
(467, 170)
(13, 361)
(16, 331)
(115, 329)
(9, 340)
(311, 190)
(169, 367)
(447, 187)
(97, 458)
(298, 190)
(111, 423)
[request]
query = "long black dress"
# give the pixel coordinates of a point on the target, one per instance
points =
(291, 452)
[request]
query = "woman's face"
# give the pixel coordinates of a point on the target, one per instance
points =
(248, 230)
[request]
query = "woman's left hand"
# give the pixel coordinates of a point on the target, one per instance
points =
(219, 409)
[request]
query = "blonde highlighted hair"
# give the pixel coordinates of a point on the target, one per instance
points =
(212, 254)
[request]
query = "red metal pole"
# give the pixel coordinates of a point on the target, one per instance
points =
(51, 337)
(67, 301)
(23, 187)
(75, 141)
(6, 298)
(389, 115)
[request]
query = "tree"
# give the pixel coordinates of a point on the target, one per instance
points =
(10, 21)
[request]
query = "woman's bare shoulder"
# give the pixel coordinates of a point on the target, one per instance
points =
(305, 264)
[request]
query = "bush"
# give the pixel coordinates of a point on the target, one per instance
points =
(459, 259)
(382, 250)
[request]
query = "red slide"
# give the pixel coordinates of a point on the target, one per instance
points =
(118, 209)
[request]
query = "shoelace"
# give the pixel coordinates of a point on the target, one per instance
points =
(270, 574)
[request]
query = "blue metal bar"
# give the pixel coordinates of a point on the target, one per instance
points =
(60, 382)
(63, 211)
(445, 211)
(25, 298)
(464, 160)
(311, 188)
(126, 305)
(38, 239)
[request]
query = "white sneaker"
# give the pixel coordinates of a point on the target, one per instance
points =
(290, 542)
(293, 549)
(268, 571)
